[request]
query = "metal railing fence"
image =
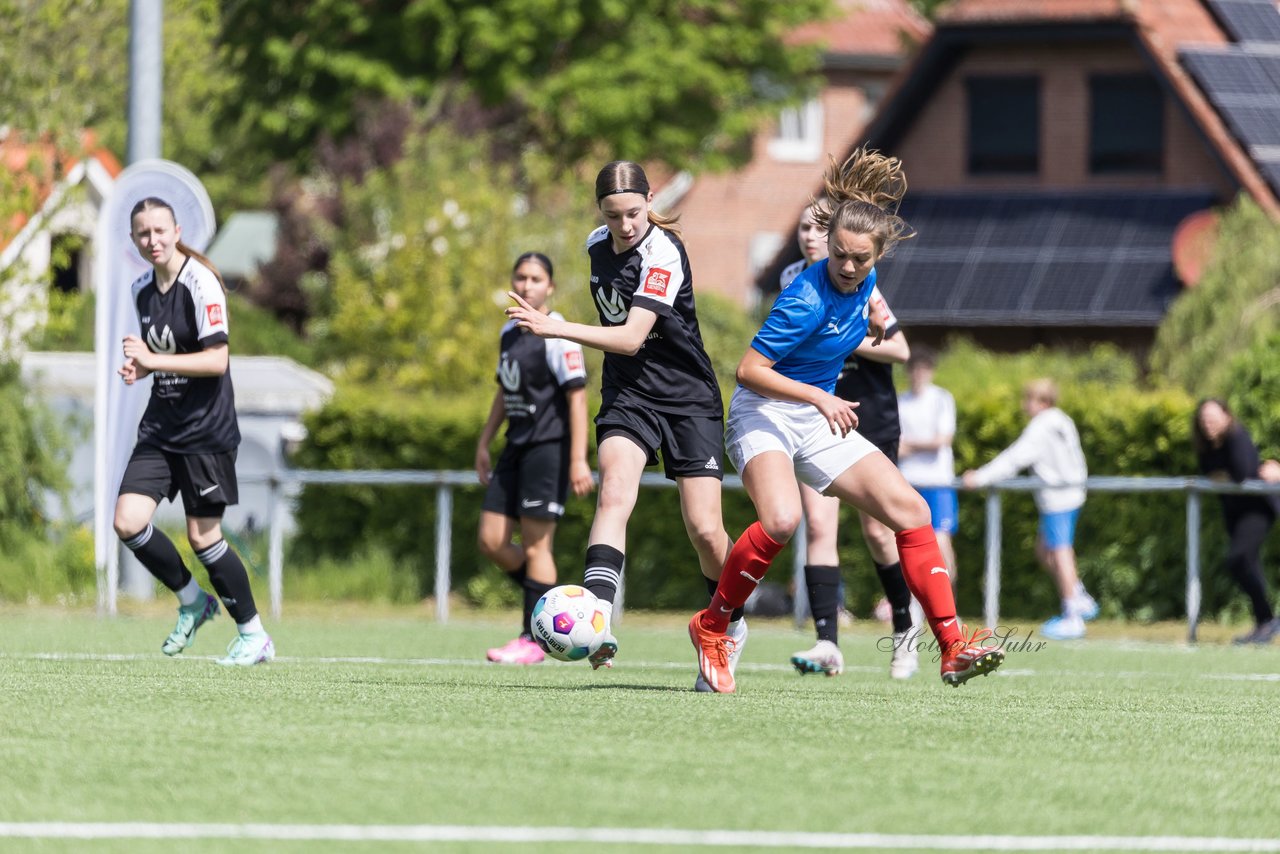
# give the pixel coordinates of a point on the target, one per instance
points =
(445, 482)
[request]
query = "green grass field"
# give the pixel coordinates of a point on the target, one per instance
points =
(386, 723)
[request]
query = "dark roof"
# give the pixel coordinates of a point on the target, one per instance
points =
(1242, 81)
(1037, 259)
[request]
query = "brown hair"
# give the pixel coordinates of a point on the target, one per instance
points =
(1198, 437)
(151, 203)
(624, 176)
(862, 196)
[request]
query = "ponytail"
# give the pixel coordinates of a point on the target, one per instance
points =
(862, 196)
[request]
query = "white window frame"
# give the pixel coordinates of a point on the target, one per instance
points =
(798, 137)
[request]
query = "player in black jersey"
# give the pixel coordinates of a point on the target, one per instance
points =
(188, 435)
(542, 397)
(658, 389)
(867, 378)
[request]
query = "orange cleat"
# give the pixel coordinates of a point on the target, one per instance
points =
(715, 651)
(969, 658)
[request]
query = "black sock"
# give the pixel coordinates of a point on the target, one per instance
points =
(899, 596)
(738, 613)
(160, 556)
(230, 579)
(519, 574)
(533, 591)
(604, 571)
(823, 584)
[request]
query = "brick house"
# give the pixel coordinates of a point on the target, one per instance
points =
(734, 225)
(1061, 152)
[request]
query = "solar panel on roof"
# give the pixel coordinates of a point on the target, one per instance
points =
(1271, 169)
(1248, 20)
(1256, 125)
(1229, 71)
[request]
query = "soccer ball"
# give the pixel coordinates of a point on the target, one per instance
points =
(568, 622)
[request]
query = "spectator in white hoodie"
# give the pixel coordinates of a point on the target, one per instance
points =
(1050, 447)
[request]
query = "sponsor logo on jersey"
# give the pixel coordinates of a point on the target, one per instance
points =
(573, 360)
(656, 282)
(610, 304)
(214, 313)
(509, 374)
(712, 465)
(161, 342)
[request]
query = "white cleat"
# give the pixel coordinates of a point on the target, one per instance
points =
(825, 657)
(906, 654)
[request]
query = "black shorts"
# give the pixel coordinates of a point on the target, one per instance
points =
(530, 480)
(890, 450)
(207, 481)
(691, 445)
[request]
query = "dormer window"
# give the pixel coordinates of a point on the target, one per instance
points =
(1004, 125)
(1126, 124)
(799, 133)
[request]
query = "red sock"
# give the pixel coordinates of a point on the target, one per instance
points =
(744, 568)
(925, 573)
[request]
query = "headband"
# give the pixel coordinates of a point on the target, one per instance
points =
(643, 192)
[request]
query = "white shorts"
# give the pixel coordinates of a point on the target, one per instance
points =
(757, 424)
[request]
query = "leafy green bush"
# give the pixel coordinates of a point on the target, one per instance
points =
(1231, 310)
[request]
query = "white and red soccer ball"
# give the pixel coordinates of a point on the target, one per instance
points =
(568, 622)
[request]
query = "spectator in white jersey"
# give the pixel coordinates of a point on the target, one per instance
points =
(542, 397)
(866, 377)
(188, 436)
(1050, 447)
(927, 414)
(659, 391)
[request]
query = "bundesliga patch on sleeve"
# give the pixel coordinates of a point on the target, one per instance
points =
(573, 360)
(214, 314)
(655, 284)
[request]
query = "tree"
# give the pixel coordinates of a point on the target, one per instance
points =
(676, 80)
(1231, 309)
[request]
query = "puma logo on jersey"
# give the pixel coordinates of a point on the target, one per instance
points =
(509, 374)
(936, 570)
(161, 343)
(834, 327)
(610, 304)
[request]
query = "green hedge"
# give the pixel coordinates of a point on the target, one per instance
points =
(1131, 547)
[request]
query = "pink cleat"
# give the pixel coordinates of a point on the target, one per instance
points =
(519, 651)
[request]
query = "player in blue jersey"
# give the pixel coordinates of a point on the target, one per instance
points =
(188, 435)
(543, 400)
(867, 379)
(786, 426)
(659, 392)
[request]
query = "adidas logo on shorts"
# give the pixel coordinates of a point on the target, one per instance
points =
(712, 464)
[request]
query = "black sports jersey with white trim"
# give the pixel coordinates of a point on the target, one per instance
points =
(671, 372)
(534, 374)
(186, 415)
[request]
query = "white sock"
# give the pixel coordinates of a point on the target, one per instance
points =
(252, 627)
(190, 594)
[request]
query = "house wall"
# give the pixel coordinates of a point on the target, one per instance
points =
(733, 224)
(934, 153)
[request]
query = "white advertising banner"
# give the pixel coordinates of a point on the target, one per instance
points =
(118, 407)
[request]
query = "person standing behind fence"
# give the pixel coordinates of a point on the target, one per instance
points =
(927, 414)
(1225, 451)
(1050, 447)
(188, 435)
(658, 388)
(542, 397)
(866, 378)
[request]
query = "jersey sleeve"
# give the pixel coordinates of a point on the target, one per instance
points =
(792, 320)
(566, 362)
(661, 275)
(211, 309)
(879, 304)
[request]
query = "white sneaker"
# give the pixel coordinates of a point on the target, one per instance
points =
(1064, 627)
(1084, 605)
(906, 654)
(825, 657)
(738, 632)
